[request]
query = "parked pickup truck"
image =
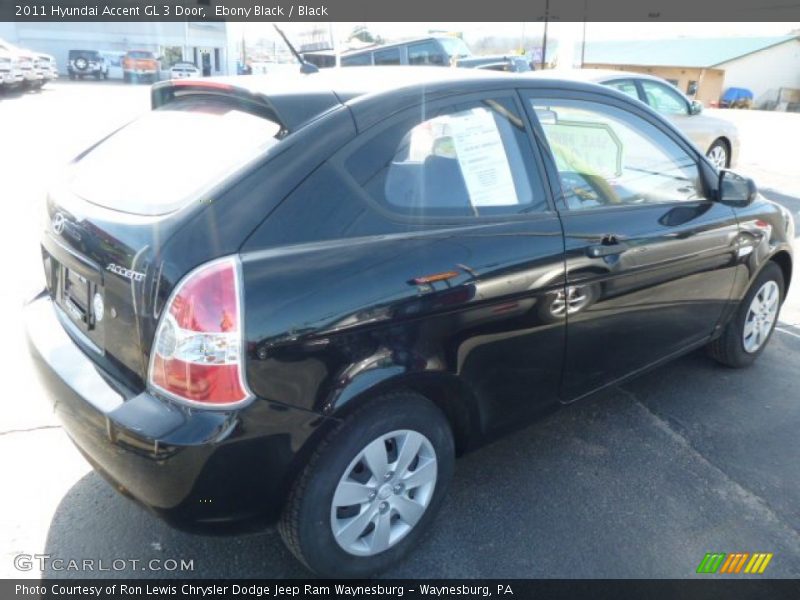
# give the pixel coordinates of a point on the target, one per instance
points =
(499, 62)
(45, 65)
(22, 68)
(139, 64)
(10, 73)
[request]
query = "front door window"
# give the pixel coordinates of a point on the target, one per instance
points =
(608, 157)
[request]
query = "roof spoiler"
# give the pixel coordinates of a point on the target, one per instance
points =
(165, 92)
(279, 108)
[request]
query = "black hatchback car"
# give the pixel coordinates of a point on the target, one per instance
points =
(368, 272)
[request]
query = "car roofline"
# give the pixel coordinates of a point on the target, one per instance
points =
(296, 101)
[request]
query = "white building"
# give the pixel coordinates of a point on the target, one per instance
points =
(204, 44)
(766, 71)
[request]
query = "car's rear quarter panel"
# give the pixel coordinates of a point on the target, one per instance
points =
(333, 312)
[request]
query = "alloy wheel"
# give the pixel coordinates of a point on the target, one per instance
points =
(718, 156)
(384, 492)
(761, 316)
(575, 298)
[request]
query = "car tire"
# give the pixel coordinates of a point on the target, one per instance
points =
(719, 155)
(72, 76)
(309, 517)
(731, 347)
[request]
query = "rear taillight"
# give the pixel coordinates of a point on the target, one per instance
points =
(197, 352)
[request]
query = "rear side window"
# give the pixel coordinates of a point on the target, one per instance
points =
(472, 159)
(426, 53)
(88, 54)
(357, 60)
(156, 164)
(388, 57)
(664, 99)
(626, 86)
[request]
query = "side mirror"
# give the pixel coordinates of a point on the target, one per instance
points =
(736, 190)
(696, 107)
(546, 116)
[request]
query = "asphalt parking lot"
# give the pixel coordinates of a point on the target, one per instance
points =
(640, 481)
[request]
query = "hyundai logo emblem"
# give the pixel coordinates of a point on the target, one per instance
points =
(59, 220)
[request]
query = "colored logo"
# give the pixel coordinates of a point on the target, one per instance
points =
(738, 562)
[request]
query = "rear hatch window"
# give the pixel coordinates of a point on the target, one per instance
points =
(141, 55)
(160, 162)
(87, 54)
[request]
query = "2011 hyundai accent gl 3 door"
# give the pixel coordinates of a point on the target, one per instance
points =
(369, 273)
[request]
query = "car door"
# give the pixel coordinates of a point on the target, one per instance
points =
(650, 257)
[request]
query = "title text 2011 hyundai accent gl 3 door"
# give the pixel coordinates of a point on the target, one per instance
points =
(371, 272)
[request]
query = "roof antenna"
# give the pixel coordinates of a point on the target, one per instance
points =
(305, 66)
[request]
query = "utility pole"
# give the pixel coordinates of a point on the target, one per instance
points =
(544, 37)
(244, 52)
(583, 39)
(583, 45)
(186, 40)
(337, 56)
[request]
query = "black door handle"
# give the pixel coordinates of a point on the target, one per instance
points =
(606, 249)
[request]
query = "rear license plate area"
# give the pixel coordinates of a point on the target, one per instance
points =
(76, 296)
(73, 293)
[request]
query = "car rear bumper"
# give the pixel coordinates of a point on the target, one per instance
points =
(195, 468)
(85, 72)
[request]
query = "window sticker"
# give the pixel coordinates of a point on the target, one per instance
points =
(481, 155)
(594, 145)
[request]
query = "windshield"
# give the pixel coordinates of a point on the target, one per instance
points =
(158, 163)
(135, 54)
(455, 47)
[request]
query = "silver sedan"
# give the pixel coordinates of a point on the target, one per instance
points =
(716, 138)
